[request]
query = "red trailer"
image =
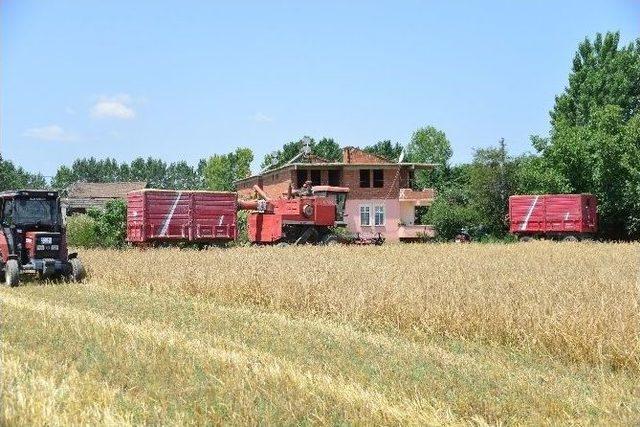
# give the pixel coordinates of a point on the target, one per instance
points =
(558, 216)
(156, 216)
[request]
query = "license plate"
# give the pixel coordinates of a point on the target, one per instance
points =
(45, 240)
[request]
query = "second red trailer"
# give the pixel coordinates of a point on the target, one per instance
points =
(553, 215)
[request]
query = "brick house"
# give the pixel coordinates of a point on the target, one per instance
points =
(382, 194)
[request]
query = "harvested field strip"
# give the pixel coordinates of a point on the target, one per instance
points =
(235, 356)
(265, 368)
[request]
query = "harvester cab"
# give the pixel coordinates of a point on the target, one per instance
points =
(33, 237)
(337, 195)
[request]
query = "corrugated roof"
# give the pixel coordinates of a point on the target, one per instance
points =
(103, 190)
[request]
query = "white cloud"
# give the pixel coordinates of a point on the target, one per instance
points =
(117, 107)
(70, 111)
(50, 133)
(261, 118)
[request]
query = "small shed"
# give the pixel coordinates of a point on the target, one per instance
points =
(81, 196)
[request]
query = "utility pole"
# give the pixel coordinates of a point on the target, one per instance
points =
(503, 178)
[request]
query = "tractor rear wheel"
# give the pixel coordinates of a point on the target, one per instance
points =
(11, 273)
(78, 273)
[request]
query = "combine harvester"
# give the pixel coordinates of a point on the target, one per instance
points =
(308, 215)
(568, 217)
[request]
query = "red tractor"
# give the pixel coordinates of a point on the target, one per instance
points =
(307, 215)
(33, 238)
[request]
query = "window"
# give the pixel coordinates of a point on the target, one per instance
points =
(334, 178)
(7, 216)
(316, 177)
(31, 211)
(365, 215)
(379, 215)
(365, 178)
(378, 178)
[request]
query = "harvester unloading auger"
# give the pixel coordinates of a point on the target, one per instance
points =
(311, 214)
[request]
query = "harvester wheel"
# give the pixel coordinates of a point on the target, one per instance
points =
(282, 244)
(570, 238)
(78, 273)
(11, 273)
(525, 238)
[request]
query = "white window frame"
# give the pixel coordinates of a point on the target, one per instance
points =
(375, 215)
(368, 207)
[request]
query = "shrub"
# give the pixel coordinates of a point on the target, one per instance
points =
(81, 231)
(243, 231)
(110, 224)
(448, 217)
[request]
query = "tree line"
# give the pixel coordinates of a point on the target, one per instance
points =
(593, 147)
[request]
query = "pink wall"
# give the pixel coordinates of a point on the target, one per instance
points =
(392, 216)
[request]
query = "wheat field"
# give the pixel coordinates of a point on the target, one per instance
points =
(440, 334)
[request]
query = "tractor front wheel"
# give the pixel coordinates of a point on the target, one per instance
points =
(78, 273)
(11, 273)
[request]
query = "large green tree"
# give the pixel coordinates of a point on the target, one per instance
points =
(594, 146)
(386, 149)
(430, 145)
(222, 170)
(492, 177)
(603, 73)
(603, 158)
(326, 148)
(14, 177)
(157, 173)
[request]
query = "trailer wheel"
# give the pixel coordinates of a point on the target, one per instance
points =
(11, 273)
(78, 273)
(570, 238)
(282, 245)
(525, 238)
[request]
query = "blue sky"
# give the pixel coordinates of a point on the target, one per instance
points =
(184, 80)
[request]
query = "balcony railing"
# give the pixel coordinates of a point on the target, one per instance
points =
(422, 197)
